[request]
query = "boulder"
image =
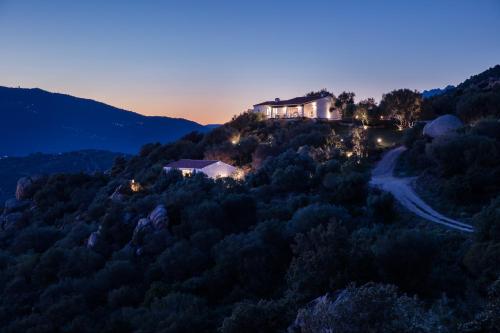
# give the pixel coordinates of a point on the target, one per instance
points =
(14, 205)
(156, 221)
(159, 217)
(94, 239)
(442, 125)
(23, 188)
(11, 221)
(124, 190)
(143, 226)
(118, 195)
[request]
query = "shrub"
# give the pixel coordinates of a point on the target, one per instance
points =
(381, 206)
(369, 308)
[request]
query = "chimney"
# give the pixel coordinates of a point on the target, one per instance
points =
(277, 100)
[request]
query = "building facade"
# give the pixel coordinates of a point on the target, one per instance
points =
(211, 168)
(316, 106)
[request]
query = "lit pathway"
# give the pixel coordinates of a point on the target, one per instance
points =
(382, 177)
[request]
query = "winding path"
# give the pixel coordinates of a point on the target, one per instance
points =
(383, 178)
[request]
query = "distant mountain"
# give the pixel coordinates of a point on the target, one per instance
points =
(34, 120)
(13, 168)
(436, 91)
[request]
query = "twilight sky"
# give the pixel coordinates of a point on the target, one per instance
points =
(208, 60)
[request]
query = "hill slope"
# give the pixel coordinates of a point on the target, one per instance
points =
(475, 98)
(13, 168)
(34, 120)
(302, 239)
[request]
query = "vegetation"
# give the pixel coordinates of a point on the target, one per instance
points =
(300, 244)
(13, 168)
(464, 169)
(403, 105)
(475, 98)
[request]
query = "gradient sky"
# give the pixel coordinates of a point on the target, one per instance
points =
(208, 60)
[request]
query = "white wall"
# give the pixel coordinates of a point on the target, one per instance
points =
(219, 169)
(215, 170)
(323, 109)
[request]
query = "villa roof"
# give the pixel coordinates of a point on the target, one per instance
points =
(294, 101)
(190, 164)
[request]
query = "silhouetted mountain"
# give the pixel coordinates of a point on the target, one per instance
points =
(436, 91)
(87, 161)
(34, 120)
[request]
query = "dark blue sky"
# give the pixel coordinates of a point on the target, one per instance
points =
(208, 60)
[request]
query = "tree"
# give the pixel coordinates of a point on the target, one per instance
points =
(403, 105)
(320, 258)
(364, 110)
(345, 101)
(322, 92)
(359, 142)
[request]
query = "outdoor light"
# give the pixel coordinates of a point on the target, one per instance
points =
(235, 139)
(381, 117)
(135, 186)
(365, 127)
(379, 140)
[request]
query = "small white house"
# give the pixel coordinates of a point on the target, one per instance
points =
(213, 169)
(316, 106)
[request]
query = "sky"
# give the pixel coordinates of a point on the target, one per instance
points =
(209, 60)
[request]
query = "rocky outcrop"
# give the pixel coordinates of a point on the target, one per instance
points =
(119, 194)
(94, 239)
(11, 221)
(442, 125)
(156, 221)
(14, 205)
(27, 186)
(13, 213)
(143, 227)
(159, 217)
(124, 190)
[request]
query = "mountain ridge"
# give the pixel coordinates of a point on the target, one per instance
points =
(35, 120)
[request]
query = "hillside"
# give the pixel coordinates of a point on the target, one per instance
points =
(302, 243)
(13, 168)
(34, 120)
(475, 98)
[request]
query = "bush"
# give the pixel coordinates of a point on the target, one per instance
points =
(407, 260)
(381, 206)
(320, 261)
(488, 222)
(369, 308)
(250, 317)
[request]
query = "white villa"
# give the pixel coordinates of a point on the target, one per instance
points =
(213, 169)
(317, 106)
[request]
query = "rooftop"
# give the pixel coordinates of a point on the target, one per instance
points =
(295, 101)
(190, 164)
